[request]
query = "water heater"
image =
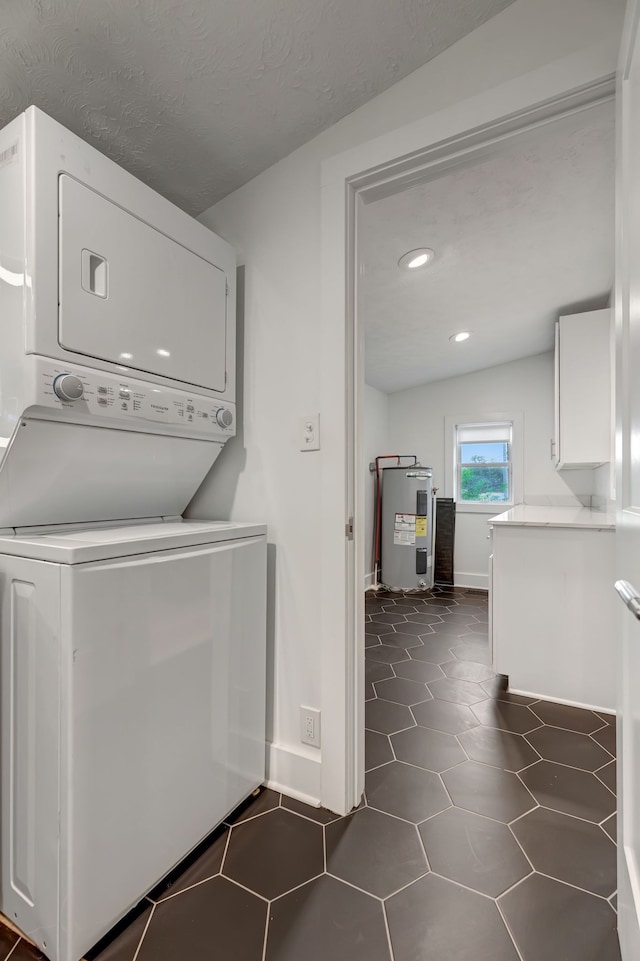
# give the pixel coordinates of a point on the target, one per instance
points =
(407, 527)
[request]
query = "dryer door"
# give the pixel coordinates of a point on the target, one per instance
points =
(132, 296)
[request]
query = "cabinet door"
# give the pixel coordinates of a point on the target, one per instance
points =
(583, 392)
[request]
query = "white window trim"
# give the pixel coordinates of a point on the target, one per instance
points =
(517, 458)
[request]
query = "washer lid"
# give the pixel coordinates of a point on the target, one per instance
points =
(54, 472)
(105, 543)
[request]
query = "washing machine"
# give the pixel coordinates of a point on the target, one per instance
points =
(132, 712)
(132, 640)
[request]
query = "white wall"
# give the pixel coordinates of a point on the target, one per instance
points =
(275, 223)
(376, 427)
(418, 416)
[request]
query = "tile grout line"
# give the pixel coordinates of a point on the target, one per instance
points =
(409, 884)
(251, 817)
(606, 764)
(18, 940)
(576, 887)
(461, 884)
(324, 848)
(388, 930)
(397, 817)
(570, 767)
(576, 817)
(516, 839)
(307, 817)
(350, 884)
(243, 887)
(143, 935)
(284, 894)
(507, 927)
(424, 849)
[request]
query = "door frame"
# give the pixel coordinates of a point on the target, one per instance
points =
(413, 154)
(627, 513)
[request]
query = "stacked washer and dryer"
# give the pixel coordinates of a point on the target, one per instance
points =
(133, 668)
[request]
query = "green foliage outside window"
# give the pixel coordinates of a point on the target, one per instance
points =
(484, 483)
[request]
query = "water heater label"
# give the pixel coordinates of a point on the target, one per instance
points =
(421, 526)
(405, 522)
(404, 538)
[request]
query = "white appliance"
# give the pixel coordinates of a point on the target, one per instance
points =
(132, 713)
(118, 313)
(133, 667)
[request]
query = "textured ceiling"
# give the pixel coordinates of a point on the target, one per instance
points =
(519, 237)
(196, 97)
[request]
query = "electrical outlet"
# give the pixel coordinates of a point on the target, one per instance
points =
(310, 432)
(310, 726)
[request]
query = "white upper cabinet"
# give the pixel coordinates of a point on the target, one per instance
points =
(583, 430)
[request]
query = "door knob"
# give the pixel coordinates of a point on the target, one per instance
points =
(630, 596)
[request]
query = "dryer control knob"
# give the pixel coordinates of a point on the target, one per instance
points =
(68, 387)
(224, 417)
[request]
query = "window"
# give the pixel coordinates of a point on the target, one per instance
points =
(496, 436)
(483, 463)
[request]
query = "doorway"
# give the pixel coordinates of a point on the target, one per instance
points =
(372, 173)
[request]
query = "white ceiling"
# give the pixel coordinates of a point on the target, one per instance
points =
(519, 238)
(196, 97)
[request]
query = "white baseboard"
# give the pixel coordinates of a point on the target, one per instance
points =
(562, 700)
(369, 580)
(477, 581)
(294, 773)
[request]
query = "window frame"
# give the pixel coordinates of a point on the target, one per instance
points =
(453, 467)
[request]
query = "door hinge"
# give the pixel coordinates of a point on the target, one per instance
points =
(348, 529)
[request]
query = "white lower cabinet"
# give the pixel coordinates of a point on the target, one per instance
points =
(553, 612)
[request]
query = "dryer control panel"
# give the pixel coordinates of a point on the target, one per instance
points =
(81, 393)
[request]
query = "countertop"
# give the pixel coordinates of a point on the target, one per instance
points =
(524, 515)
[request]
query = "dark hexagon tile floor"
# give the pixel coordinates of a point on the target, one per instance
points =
(569, 791)
(550, 920)
(487, 830)
(568, 849)
(431, 750)
(475, 851)
(435, 918)
(406, 791)
(326, 920)
(274, 853)
(511, 752)
(374, 852)
(568, 747)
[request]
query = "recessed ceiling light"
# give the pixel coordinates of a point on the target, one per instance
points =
(463, 335)
(419, 257)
